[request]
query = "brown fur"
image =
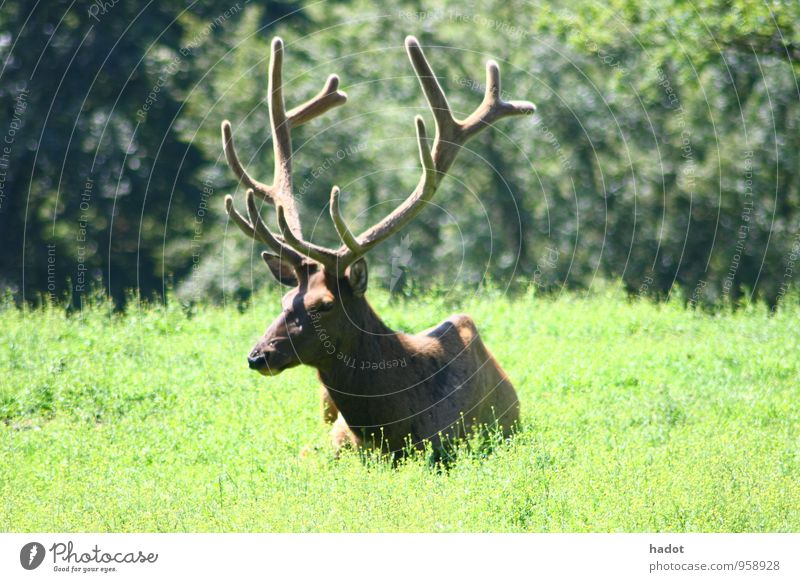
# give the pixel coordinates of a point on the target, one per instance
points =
(385, 389)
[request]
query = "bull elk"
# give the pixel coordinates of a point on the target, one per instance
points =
(382, 389)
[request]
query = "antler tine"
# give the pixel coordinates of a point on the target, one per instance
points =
(445, 122)
(493, 107)
(281, 137)
(403, 214)
(243, 224)
(265, 234)
(317, 253)
(232, 157)
(450, 136)
(256, 229)
(341, 226)
(326, 99)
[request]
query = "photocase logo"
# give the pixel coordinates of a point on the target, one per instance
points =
(31, 555)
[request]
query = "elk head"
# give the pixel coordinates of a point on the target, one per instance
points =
(328, 285)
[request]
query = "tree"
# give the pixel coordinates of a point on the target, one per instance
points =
(97, 179)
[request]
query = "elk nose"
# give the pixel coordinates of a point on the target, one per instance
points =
(257, 362)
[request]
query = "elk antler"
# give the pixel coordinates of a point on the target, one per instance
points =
(279, 193)
(450, 136)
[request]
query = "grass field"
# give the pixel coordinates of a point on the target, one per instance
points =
(637, 417)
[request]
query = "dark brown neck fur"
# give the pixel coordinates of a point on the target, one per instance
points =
(373, 361)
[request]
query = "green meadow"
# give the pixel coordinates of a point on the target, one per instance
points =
(637, 416)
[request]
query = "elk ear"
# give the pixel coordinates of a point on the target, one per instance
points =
(284, 272)
(356, 275)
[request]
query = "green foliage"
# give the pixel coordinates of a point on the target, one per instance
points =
(637, 417)
(96, 178)
(665, 151)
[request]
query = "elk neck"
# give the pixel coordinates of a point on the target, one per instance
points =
(367, 355)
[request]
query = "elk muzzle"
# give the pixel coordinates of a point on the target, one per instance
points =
(270, 360)
(257, 361)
